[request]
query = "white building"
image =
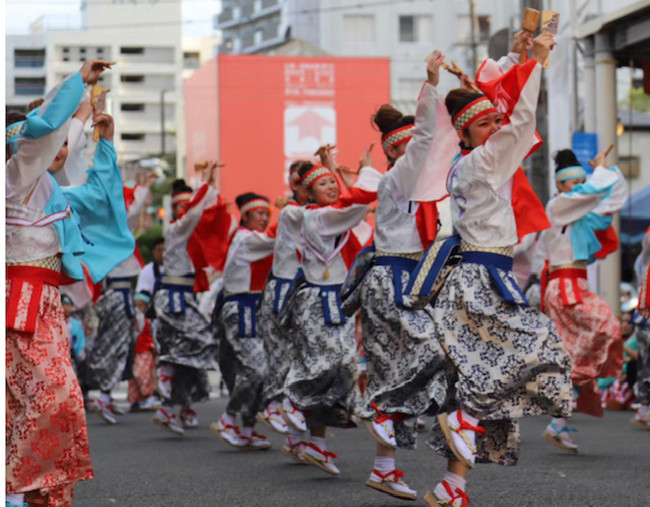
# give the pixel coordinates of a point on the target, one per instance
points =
(145, 41)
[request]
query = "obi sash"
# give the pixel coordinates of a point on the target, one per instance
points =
(123, 286)
(429, 274)
(24, 300)
(569, 288)
(505, 284)
(331, 302)
(247, 308)
(283, 287)
(639, 320)
(177, 287)
(399, 265)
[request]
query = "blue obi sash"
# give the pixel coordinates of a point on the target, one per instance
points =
(638, 319)
(331, 302)
(505, 283)
(430, 273)
(123, 285)
(247, 307)
(177, 287)
(283, 287)
(399, 265)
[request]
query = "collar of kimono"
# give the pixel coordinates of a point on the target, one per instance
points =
(181, 197)
(254, 204)
(570, 173)
(397, 136)
(472, 112)
(314, 175)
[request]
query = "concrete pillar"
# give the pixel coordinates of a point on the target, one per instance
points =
(606, 116)
(590, 85)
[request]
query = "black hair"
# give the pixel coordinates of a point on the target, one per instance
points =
(458, 98)
(12, 117)
(180, 186)
(158, 241)
(387, 118)
(305, 168)
(565, 158)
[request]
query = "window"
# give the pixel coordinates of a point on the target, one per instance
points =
(132, 107)
(29, 85)
(100, 51)
(191, 60)
(29, 57)
(416, 28)
(82, 50)
(132, 78)
(359, 28)
(258, 37)
(66, 59)
(132, 136)
(66, 50)
(131, 51)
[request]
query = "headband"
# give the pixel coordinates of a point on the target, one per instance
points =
(141, 296)
(254, 204)
(570, 173)
(294, 176)
(181, 197)
(472, 112)
(13, 132)
(397, 136)
(313, 175)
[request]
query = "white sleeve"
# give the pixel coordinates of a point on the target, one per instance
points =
(292, 216)
(187, 223)
(140, 195)
(503, 152)
(146, 279)
(407, 168)
(505, 63)
(335, 221)
(617, 196)
(566, 208)
(256, 246)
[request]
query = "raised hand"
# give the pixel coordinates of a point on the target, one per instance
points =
(91, 69)
(150, 179)
(522, 41)
(105, 124)
(543, 44)
(434, 61)
(366, 159)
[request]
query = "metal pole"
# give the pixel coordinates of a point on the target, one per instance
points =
(606, 116)
(590, 85)
(162, 122)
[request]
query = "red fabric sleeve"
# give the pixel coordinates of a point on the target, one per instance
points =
(609, 241)
(530, 215)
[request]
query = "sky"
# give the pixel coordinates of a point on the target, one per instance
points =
(20, 13)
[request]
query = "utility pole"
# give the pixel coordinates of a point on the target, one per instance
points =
(474, 44)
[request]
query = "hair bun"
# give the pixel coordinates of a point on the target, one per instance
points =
(386, 117)
(179, 185)
(565, 158)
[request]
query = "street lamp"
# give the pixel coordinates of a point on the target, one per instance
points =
(162, 122)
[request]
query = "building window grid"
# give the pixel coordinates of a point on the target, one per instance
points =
(415, 28)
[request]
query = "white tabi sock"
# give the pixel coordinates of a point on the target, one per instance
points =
(247, 431)
(105, 398)
(165, 379)
(319, 442)
(384, 464)
(455, 481)
(560, 422)
(228, 419)
(469, 419)
(643, 410)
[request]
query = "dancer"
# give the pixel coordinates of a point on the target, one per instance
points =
(108, 359)
(45, 244)
(324, 368)
(152, 271)
(406, 366)
(278, 341)
(143, 383)
(590, 331)
(506, 359)
(642, 321)
(186, 346)
(241, 354)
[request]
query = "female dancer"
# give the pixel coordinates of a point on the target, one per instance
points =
(590, 331)
(107, 362)
(184, 336)
(323, 371)
(642, 322)
(506, 358)
(44, 246)
(241, 353)
(277, 339)
(406, 366)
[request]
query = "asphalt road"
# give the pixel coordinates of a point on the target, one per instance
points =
(138, 464)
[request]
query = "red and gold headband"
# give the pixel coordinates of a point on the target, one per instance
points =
(397, 136)
(294, 176)
(314, 175)
(254, 204)
(472, 112)
(181, 197)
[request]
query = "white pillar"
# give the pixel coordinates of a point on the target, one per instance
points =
(606, 116)
(590, 85)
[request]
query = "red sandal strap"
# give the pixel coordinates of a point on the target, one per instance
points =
(293, 445)
(382, 417)
(459, 494)
(327, 454)
(258, 435)
(398, 474)
(167, 414)
(464, 425)
(227, 426)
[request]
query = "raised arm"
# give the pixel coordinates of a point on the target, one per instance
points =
(333, 221)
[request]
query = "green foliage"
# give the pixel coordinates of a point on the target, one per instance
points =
(639, 99)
